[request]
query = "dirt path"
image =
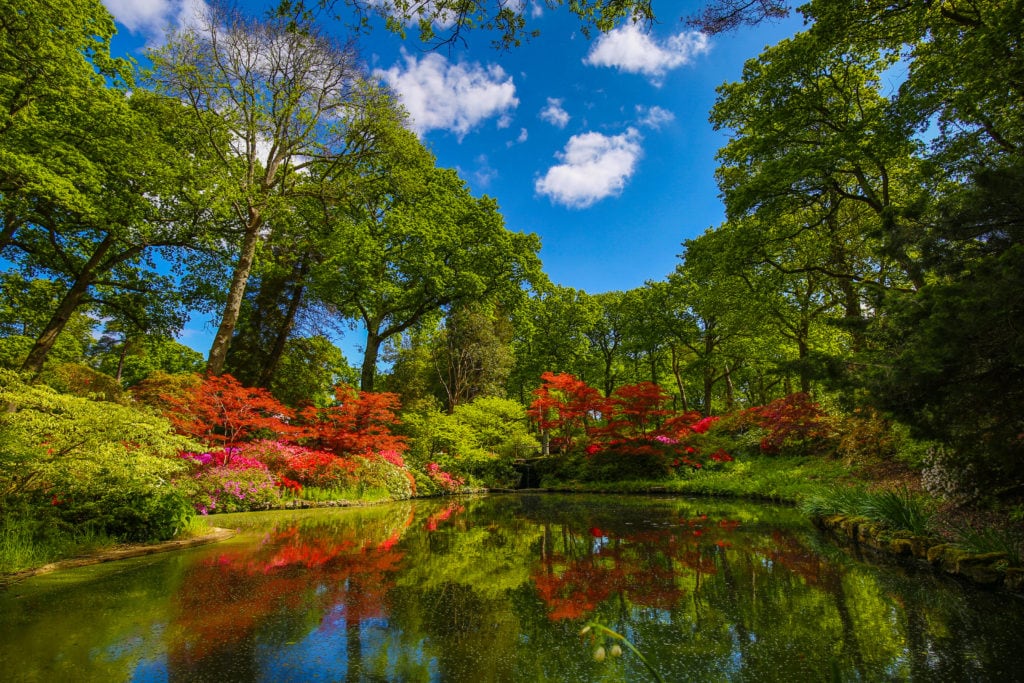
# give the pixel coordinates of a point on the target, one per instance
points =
(121, 553)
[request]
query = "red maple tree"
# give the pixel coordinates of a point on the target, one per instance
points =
(221, 410)
(359, 422)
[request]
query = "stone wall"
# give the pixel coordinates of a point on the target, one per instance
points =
(986, 569)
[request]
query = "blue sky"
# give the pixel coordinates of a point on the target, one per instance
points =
(601, 146)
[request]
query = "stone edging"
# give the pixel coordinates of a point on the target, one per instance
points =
(986, 569)
(216, 534)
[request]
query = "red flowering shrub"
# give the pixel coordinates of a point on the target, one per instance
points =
(359, 422)
(567, 408)
(221, 410)
(319, 468)
(793, 422)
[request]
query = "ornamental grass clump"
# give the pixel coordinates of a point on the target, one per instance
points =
(840, 500)
(991, 540)
(899, 509)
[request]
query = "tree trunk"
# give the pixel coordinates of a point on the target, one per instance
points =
(805, 372)
(709, 384)
(677, 372)
(284, 331)
(369, 369)
(120, 360)
(233, 307)
(730, 392)
(72, 300)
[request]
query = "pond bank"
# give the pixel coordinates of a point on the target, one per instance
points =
(120, 553)
(985, 569)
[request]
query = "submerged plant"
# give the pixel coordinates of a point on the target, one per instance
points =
(597, 629)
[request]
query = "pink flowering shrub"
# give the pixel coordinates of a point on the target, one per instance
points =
(447, 482)
(226, 480)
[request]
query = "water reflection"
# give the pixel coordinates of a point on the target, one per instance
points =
(496, 589)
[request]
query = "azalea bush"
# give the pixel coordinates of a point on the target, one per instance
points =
(372, 471)
(228, 481)
(444, 481)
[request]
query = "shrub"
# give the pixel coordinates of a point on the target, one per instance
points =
(444, 481)
(225, 480)
(359, 422)
(129, 515)
(632, 459)
(793, 423)
(375, 472)
(225, 489)
(220, 410)
(81, 380)
(71, 444)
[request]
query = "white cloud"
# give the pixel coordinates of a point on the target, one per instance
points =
(594, 166)
(554, 114)
(653, 117)
(522, 137)
(631, 50)
(152, 18)
(440, 95)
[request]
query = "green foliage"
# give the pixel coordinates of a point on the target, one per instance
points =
(479, 440)
(379, 473)
(30, 538)
(134, 359)
(124, 510)
(309, 370)
(89, 466)
(447, 21)
(81, 380)
(226, 489)
(899, 509)
(991, 540)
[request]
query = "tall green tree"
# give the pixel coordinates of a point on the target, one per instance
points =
(551, 336)
(811, 131)
(288, 95)
(147, 203)
(417, 244)
(55, 66)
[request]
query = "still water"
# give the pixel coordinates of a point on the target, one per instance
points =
(497, 589)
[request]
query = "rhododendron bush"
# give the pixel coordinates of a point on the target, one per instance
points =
(345, 446)
(634, 434)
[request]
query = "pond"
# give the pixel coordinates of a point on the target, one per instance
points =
(497, 589)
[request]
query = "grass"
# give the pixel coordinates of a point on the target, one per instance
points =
(197, 525)
(24, 546)
(898, 508)
(991, 540)
(777, 478)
